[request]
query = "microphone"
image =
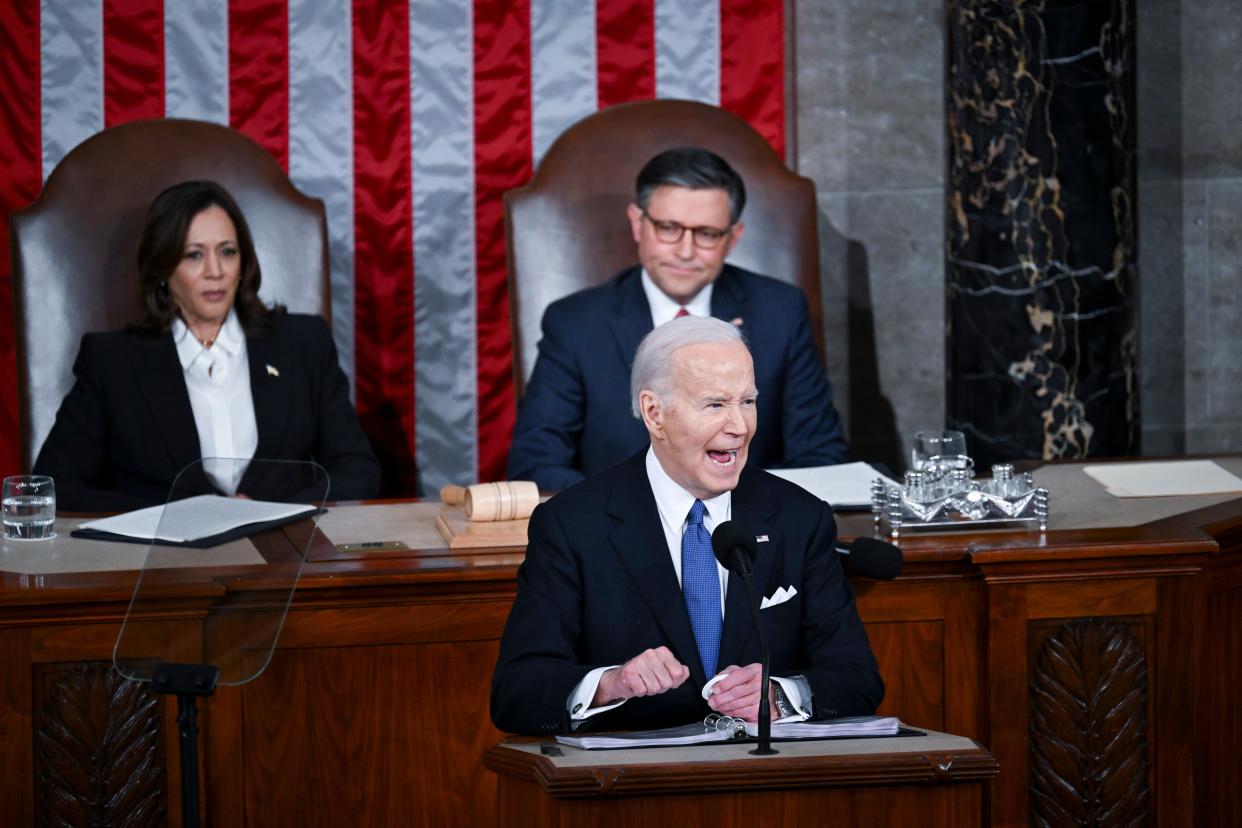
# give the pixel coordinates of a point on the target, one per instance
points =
(735, 549)
(871, 558)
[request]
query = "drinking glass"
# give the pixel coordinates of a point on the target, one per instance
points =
(28, 506)
(936, 452)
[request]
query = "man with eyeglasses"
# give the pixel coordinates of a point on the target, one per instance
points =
(686, 218)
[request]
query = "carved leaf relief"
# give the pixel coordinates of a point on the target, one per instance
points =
(99, 754)
(1088, 727)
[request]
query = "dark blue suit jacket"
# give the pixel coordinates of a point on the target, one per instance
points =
(126, 427)
(598, 587)
(576, 419)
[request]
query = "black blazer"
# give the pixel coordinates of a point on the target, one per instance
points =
(598, 587)
(575, 418)
(126, 427)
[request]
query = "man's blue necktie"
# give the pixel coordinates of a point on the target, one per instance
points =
(700, 583)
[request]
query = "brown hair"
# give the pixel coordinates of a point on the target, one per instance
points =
(162, 244)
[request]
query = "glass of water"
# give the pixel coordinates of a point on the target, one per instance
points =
(29, 507)
(936, 452)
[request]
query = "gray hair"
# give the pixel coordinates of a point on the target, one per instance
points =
(653, 364)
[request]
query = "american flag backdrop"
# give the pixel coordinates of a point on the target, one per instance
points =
(410, 120)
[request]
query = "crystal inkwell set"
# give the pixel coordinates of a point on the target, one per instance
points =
(941, 492)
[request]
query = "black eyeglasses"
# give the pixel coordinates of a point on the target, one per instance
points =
(670, 232)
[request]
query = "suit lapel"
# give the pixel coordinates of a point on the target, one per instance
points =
(638, 540)
(631, 318)
(729, 298)
(270, 381)
(162, 380)
(750, 508)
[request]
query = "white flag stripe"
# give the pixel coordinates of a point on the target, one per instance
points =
(71, 75)
(687, 46)
(564, 89)
(321, 142)
(442, 146)
(196, 61)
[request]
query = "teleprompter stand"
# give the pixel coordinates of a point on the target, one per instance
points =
(187, 682)
(264, 545)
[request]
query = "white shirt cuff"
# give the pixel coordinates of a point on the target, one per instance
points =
(798, 691)
(579, 706)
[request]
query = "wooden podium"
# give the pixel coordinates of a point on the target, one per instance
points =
(935, 779)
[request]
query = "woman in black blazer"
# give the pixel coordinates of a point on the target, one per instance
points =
(210, 371)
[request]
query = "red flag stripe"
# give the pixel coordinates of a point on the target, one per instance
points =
(502, 126)
(625, 51)
(21, 160)
(383, 236)
(133, 60)
(752, 65)
(259, 73)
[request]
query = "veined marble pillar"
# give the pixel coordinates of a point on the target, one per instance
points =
(1042, 305)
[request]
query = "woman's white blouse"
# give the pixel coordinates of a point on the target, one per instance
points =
(218, 380)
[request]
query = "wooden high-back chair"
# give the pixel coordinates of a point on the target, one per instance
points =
(567, 229)
(75, 249)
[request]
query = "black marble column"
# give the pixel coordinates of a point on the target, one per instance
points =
(1042, 305)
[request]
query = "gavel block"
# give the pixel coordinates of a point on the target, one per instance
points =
(459, 532)
(486, 514)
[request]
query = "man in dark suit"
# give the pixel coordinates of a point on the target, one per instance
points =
(685, 221)
(622, 614)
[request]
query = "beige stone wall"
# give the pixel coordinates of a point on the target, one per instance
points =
(870, 132)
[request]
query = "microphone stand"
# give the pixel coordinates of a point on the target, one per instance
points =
(764, 748)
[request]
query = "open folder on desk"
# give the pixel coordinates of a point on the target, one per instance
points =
(199, 522)
(716, 728)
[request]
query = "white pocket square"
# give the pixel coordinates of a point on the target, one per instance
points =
(779, 597)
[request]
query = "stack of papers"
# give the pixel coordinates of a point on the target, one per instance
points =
(851, 727)
(847, 486)
(1165, 479)
(693, 734)
(700, 734)
(203, 521)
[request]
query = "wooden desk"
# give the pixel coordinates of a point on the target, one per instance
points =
(373, 708)
(930, 780)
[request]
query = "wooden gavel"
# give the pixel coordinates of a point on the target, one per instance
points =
(507, 500)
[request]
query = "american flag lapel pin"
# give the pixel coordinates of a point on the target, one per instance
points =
(761, 538)
(272, 372)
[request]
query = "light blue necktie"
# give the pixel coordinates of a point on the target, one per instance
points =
(700, 584)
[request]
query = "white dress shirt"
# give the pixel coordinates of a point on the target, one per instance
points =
(218, 381)
(664, 309)
(673, 503)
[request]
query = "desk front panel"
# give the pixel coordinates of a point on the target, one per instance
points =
(373, 710)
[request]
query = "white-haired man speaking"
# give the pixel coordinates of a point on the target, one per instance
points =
(622, 614)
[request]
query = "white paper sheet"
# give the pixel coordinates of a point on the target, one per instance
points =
(186, 520)
(1165, 479)
(845, 486)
